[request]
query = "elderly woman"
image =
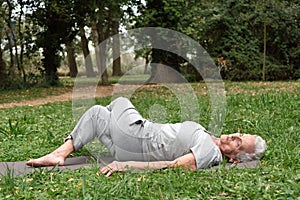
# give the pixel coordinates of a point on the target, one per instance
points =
(141, 144)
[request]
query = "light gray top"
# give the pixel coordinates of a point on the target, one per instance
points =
(175, 140)
(131, 137)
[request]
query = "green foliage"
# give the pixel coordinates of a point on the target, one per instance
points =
(234, 30)
(57, 22)
(18, 62)
(17, 83)
(266, 109)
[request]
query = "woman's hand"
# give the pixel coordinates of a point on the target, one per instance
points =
(115, 166)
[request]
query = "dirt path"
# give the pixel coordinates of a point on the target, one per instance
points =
(85, 93)
(102, 91)
(82, 93)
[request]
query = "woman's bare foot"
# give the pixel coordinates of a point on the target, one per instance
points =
(57, 157)
(47, 160)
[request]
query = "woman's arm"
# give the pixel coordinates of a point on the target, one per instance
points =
(186, 162)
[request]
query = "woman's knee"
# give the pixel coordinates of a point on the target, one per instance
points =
(121, 99)
(98, 110)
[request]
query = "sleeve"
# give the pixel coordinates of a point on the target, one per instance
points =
(205, 151)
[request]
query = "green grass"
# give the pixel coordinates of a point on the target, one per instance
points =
(35, 92)
(66, 85)
(271, 111)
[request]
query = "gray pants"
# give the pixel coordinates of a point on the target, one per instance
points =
(118, 126)
(93, 124)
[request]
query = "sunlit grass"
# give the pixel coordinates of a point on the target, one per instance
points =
(27, 132)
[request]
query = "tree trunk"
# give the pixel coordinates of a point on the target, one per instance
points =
(2, 69)
(116, 50)
(265, 46)
(102, 53)
(10, 38)
(164, 68)
(146, 64)
(71, 60)
(51, 62)
(21, 46)
(86, 52)
(11, 54)
(16, 53)
(103, 71)
(164, 74)
(95, 41)
(147, 57)
(13, 42)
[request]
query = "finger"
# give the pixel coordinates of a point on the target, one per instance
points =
(104, 169)
(109, 173)
(101, 171)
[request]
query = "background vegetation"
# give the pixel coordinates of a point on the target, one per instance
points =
(266, 109)
(254, 40)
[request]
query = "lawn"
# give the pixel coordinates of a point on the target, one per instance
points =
(267, 109)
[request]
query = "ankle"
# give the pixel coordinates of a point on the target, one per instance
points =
(64, 150)
(58, 154)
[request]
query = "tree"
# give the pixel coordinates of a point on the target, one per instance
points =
(283, 35)
(100, 49)
(106, 24)
(57, 22)
(234, 29)
(16, 40)
(71, 59)
(2, 69)
(86, 53)
(2, 63)
(116, 48)
(82, 14)
(15, 37)
(165, 14)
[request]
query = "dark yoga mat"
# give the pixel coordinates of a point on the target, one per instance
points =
(20, 167)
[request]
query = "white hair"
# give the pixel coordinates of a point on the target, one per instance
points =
(259, 151)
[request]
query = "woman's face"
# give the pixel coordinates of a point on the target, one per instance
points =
(231, 145)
